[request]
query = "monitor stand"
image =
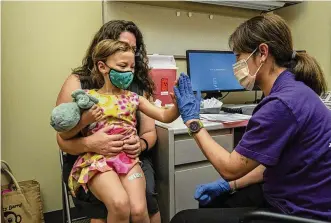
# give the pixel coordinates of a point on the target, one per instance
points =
(213, 95)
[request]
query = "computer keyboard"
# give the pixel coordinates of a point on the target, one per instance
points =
(232, 110)
(246, 109)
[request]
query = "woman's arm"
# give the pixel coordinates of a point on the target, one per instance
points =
(147, 131)
(78, 145)
(253, 177)
(160, 114)
(230, 166)
(72, 132)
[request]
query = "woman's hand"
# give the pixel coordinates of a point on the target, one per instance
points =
(104, 144)
(205, 193)
(132, 146)
(188, 104)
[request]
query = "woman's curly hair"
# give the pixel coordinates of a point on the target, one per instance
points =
(112, 30)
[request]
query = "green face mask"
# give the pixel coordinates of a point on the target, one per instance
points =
(120, 79)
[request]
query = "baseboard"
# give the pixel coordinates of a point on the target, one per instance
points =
(56, 216)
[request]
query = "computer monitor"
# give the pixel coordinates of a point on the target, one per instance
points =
(211, 71)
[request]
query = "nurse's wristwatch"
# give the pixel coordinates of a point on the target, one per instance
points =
(194, 127)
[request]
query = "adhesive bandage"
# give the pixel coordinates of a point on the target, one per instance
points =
(135, 175)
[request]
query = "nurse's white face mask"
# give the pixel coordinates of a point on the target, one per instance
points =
(241, 72)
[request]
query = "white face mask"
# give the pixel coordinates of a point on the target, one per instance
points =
(241, 72)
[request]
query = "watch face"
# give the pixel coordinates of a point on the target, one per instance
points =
(194, 126)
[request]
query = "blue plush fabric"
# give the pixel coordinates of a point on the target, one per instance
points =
(67, 115)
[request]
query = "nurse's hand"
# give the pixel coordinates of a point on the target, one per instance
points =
(188, 104)
(205, 193)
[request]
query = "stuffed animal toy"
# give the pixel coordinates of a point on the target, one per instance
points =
(67, 115)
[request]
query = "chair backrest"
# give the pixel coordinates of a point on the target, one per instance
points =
(275, 217)
(61, 158)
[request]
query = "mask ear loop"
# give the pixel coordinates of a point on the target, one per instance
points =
(260, 62)
(259, 68)
(251, 54)
(107, 89)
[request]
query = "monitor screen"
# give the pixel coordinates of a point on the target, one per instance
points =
(211, 71)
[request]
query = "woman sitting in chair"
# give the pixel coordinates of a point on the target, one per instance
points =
(101, 142)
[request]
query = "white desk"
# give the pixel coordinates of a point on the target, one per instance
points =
(180, 165)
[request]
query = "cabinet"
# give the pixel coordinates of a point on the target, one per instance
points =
(180, 165)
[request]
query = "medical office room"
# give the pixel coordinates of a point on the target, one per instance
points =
(197, 164)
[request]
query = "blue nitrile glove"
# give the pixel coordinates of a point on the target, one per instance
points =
(188, 104)
(205, 193)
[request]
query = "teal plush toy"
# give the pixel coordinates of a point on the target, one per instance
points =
(67, 115)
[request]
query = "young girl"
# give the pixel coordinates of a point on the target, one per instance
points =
(118, 178)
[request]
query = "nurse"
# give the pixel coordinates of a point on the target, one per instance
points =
(287, 143)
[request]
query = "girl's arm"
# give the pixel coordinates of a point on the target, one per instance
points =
(160, 114)
(72, 132)
(94, 114)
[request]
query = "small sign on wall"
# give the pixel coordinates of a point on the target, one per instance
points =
(164, 86)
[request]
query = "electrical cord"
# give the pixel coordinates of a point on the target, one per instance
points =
(224, 96)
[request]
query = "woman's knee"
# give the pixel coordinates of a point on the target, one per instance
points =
(119, 206)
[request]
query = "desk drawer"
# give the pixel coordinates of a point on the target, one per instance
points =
(186, 182)
(188, 151)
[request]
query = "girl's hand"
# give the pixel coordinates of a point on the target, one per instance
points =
(132, 146)
(172, 95)
(94, 114)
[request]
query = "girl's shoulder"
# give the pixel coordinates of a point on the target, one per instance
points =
(93, 92)
(131, 93)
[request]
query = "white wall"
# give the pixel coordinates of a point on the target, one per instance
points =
(310, 23)
(165, 33)
(41, 42)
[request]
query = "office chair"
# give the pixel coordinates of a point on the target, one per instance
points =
(275, 217)
(65, 195)
(66, 215)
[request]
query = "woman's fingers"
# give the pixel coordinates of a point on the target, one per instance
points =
(177, 93)
(198, 97)
(181, 85)
(188, 85)
(131, 148)
(119, 143)
(110, 151)
(132, 140)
